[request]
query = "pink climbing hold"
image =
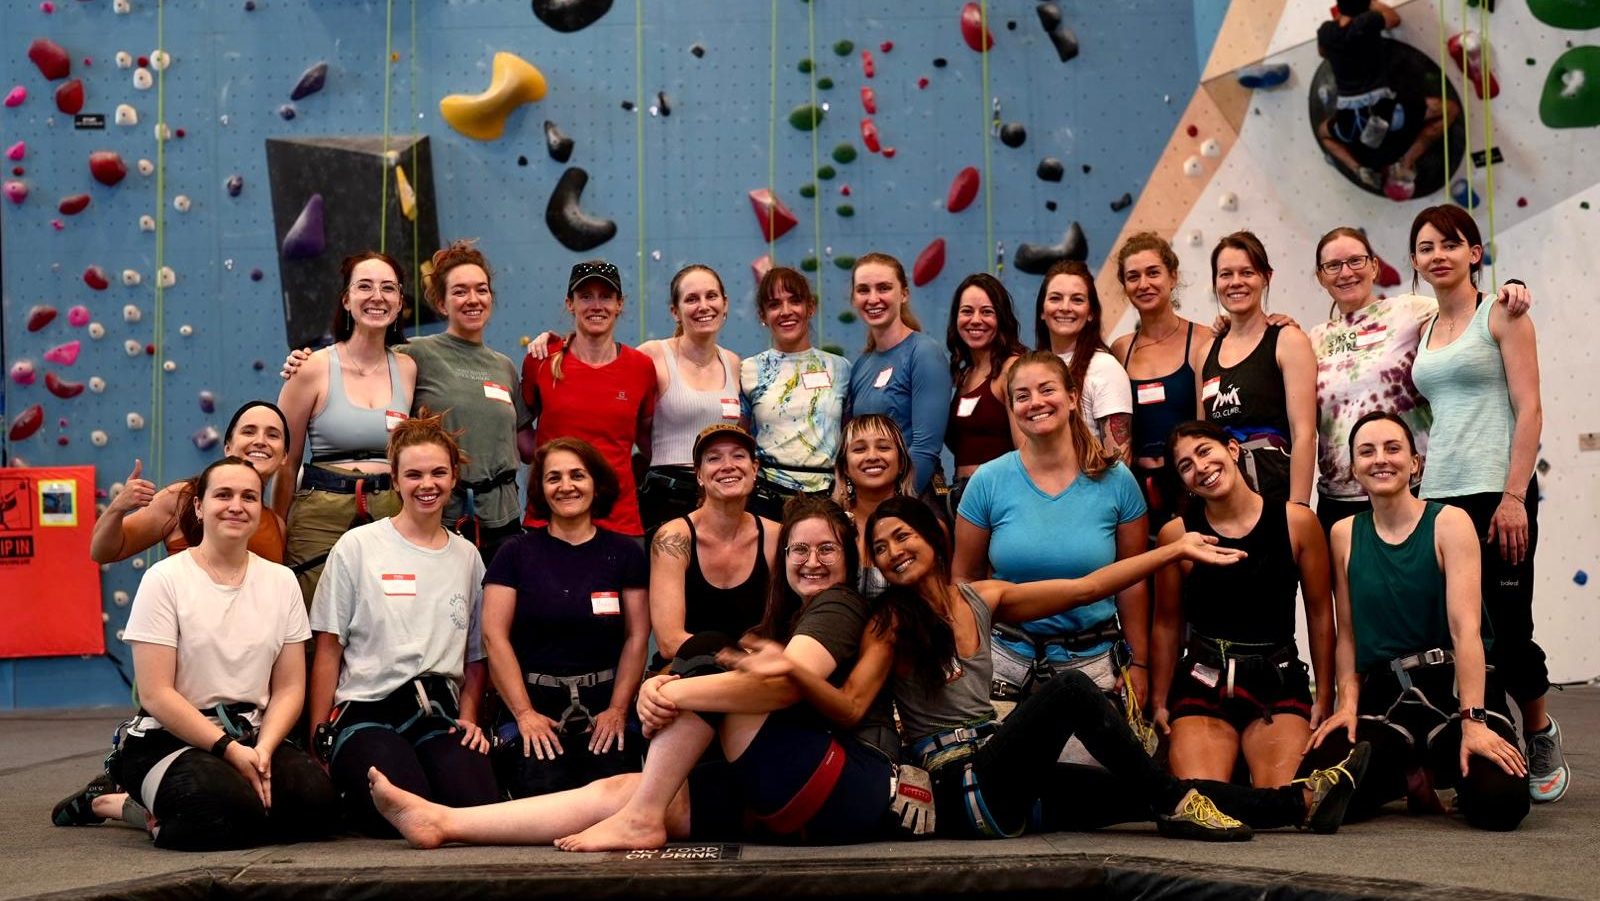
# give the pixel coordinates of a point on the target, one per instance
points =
(760, 266)
(869, 102)
(62, 388)
(974, 30)
(963, 190)
(306, 238)
(16, 95)
(16, 191)
(40, 315)
(772, 215)
(95, 277)
(868, 67)
(69, 97)
(107, 167)
(73, 205)
(27, 422)
(78, 316)
(930, 262)
(869, 136)
(64, 354)
(22, 372)
(17, 151)
(51, 58)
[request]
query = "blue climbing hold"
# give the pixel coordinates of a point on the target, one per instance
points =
(1264, 75)
(1463, 194)
(1580, 577)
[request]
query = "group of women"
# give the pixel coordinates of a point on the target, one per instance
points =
(808, 565)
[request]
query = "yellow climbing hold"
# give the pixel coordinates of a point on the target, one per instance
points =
(407, 194)
(482, 117)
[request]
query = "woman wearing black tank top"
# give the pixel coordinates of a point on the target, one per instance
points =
(1240, 685)
(719, 555)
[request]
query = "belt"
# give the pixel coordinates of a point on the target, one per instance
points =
(314, 476)
(231, 718)
(350, 456)
(484, 486)
(794, 815)
(1220, 651)
(1082, 640)
(1431, 657)
(929, 749)
(575, 706)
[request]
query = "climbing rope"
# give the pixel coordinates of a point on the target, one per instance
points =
(816, 196)
(1486, 69)
(772, 132)
(416, 175)
(157, 375)
(383, 164)
(988, 141)
(1444, 104)
(638, 138)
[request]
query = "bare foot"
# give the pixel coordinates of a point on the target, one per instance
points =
(418, 820)
(622, 831)
(109, 805)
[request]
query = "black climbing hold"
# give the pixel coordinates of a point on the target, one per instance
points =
(522, 161)
(557, 142)
(1122, 203)
(570, 15)
(627, 105)
(311, 81)
(1050, 205)
(1049, 15)
(286, 111)
(234, 184)
(1013, 134)
(697, 50)
(1050, 169)
(663, 104)
(1065, 41)
(249, 6)
(940, 62)
(257, 275)
(1086, 169)
(1011, 25)
(1036, 259)
(575, 229)
(848, 317)
(259, 365)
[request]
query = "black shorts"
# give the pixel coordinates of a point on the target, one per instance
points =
(1260, 692)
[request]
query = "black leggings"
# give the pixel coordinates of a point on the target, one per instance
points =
(437, 768)
(526, 776)
(202, 803)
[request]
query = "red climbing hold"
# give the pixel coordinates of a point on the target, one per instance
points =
(963, 190)
(144, 62)
(886, 46)
(69, 97)
(974, 30)
(72, 206)
(1193, 131)
(61, 387)
(27, 422)
(922, 83)
(95, 277)
(1522, 201)
(888, 153)
(40, 316)
(869, 136)
(930, 262)
(844, 190)
(868, 67)
(1388, 276)
(107, 167)
(774, 218)
(50, 57)
(869, 101)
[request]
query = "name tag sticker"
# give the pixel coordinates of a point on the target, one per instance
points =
(1211, 387)
(1207, 675)
(815, 379)
(497, 392)
(882, 381)
(605, 603)
(730, 408)
(1370, 336)
(393, 418)
(399, 585)
(1152, 393)
(965, 406)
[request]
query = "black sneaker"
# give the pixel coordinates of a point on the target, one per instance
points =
(1199, 819)
(1332, 788)
(78, 808)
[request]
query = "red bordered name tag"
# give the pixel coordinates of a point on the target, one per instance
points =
(605, 603)
(398, 585)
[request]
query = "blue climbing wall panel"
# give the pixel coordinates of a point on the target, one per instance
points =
(724, 131)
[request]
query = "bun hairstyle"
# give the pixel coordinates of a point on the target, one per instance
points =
(460, 252)
(783, 605)
(906, 316)
(343, 324)
(1093, 458)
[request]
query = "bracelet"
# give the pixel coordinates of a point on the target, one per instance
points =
(1521, 498)
(1143, 666)
(220, 748)
(1515, 281)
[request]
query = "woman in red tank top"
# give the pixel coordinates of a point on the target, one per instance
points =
(983, 342)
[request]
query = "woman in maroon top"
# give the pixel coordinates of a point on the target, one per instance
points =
(983, 342)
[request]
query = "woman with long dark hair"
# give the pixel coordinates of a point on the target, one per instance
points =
(983, 343)
(1068, 322)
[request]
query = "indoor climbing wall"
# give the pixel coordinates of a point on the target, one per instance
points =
(182, 179)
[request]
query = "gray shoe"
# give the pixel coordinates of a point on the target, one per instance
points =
(1548, 775)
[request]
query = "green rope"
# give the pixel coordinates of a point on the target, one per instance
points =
(638, 137)
(816, 198)
(1444, 106)
(383, 168)
(988, 142)
(416, 183)
(1466, 114)
(1486, 68)
(157, 376)
(772, 129)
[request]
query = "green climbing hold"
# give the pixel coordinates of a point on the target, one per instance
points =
(824, 83)
(826, 173)
(806, 116)
(1578, 15)
(1571, 96)
(834, 349)
(1583, 204)
(843, 48)
(809, 264)
(808, 190)
(805, 66)
(844, 153)
(846, 210)
(848, 317)
(846, 262)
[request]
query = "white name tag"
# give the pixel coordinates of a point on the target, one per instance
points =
(1210, 388)
(882, 381)
(605, 603)
(397, 585)
(965, 406)
(393, 418)
(1371, 336)
(497, 392)
(1207, 675)
(815, 379)
(730, 408)
(1152, 393)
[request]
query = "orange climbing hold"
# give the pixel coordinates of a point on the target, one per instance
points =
(482, 117)
(963, 190)
(974, 30)
(930, 262)
(774, 218)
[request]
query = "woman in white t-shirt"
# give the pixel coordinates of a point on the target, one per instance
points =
(400, 665)
(1067, 320)
(216, 634)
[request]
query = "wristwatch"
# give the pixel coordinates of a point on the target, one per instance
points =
(1475, 714)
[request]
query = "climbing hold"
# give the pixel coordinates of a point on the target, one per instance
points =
(522, 160)
(869, 136)
(974, 30)
(257, 275)
(663, 103)
(124, 59)
(51, 58)
(206, 438)
(1050, 169)
(844, 154)
(1264, 76)
(259, 365)
(809, 264)
(181, 203)
(845, 262)
(804, 66)
(39, 316)
(131, 313)
(482, 117)
(1522, 201)
(22, 372)
(208, 402)
(234, 185)
(1467, 51)
(306, 239)
(557, 142)
(17, 151)
(311, 81)
(772, 215)
(963, 190)
(567, 16)
(73, 205)
(805, 117)
(97, 385)
(147, 223)
(627, 105)
(162, 132)
(135, 423)
(69, 97)
(97, 331)
(826, 172)
(63, 354)
(1065, 41)
(869, 101)
(16, 96)
(1013, 134)
(1210, 147)
(1571, 96)
(563, 215)
(95, 277)
(1580, 577)
(824, 83)
(886, 46)
(165, 277)
(16, 191)
(1050, 205)
(844, 190)
(869, 68)
(1575, 15)
(405, 194)
(940, 62)
(1229, 201)
(125, 115)
(930, 262)
(843, 47)
(1035, 259)
(145, 167)
(287, 112)
(1192, 131)
(62, 388)
(160, 60)
(26, 423)
(808, 190)
(99, 438)
(169, 366)
(186, 330)
(1192, 167)
(845, 210)
(78, 316)
(922, 82)
(697, 50)
(132, 347)
(107, 167)
(142, 79)
(1122, 203)
(1462, 193)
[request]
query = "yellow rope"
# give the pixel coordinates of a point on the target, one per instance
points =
(988, 143)
(1444, 104)
(816, 197)
(1487, 69)
(383, 166)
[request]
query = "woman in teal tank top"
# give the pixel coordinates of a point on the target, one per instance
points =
(1412, 678)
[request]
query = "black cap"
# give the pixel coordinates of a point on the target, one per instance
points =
(719, 431)
(600, 269)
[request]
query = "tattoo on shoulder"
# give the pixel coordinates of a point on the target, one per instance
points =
(670, 544)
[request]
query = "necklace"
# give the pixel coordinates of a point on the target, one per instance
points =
(348, 363)
(232, 580)
(707, 363)
(1153, 342)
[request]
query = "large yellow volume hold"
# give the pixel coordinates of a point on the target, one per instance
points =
(482, 117)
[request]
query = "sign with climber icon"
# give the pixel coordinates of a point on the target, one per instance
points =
(49, 588)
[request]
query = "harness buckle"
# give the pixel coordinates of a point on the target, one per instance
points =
(1434, 657)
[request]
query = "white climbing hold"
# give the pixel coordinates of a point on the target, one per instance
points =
(132, 347)
(223, 119)
(146, 167)
(1195, 238)
(135, 421)
(122, 7)
(655, 255)
(147, 223)
(120, 638)
(99, 438)
(131, 277)
(124, 59)
(142, 80)
(138, 563)
(97, 384)
(186, 330)
(160, 60)
(126, 115)
(1192, 167)
(1571, 82)
(1210, 147)
(97, 331)
(162, 132)
(120, 598)
(131, 313)
(169, 366)
(181, 203)
(1229, 201)
(166, 278)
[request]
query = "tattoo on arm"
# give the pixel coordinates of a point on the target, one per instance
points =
(1119, 427)
(670, 544)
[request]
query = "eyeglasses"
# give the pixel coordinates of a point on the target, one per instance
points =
(827, 552)
(1356, 264)
(367, 289)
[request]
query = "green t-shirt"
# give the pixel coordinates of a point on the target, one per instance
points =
(478, 392)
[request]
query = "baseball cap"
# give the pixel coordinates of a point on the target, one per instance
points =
(722, 431)
(600, 269)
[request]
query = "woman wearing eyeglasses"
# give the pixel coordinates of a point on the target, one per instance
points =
(1364, 356)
